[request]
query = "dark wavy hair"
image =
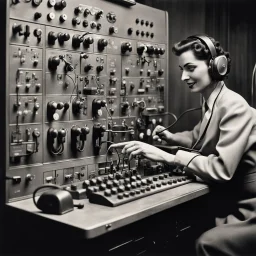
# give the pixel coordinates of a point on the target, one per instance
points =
(200, 50)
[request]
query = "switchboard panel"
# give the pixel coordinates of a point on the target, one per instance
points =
(81, 75)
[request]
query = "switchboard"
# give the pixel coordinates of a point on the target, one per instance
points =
(81, 75)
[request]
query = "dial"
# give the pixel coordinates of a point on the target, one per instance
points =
(111, 17)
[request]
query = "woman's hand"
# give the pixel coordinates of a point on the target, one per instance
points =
(133, 148)
(165, 135)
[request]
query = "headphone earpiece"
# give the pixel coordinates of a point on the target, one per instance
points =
(218, 65)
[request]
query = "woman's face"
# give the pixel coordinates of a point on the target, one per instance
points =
(194, 72)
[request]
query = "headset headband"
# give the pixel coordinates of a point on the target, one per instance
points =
(208, 42)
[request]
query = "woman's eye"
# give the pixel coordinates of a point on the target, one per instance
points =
(191, 69)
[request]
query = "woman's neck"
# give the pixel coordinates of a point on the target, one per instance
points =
(208, 90)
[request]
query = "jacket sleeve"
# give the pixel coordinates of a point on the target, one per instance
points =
(187, 138)
(236, 123)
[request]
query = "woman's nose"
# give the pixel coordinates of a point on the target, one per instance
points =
(184, 76)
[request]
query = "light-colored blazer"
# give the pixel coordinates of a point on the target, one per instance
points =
(228, 145)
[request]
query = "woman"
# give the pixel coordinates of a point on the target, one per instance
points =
(223, 147)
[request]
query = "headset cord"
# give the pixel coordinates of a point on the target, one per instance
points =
(188, 110)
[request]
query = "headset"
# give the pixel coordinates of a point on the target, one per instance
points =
(218, 66)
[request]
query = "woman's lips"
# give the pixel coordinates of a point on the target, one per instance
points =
(190, 85)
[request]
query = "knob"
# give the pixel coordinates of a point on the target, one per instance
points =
(53, 133)
(62, 133)
(36, 133)
(99, 14)
(126, 47)
(85, 130)
(37, 15)
(52, 36)
(142, 22)
(137, 32)
(160, 72)
(54, 62)
(62, 37)
(137, 20)
(76, 21)
(38, 33)
(130, 30)
(17, 28)
(52, 105)
(88, 67)
(85, 23)
(50, 16)
(152, 35)
(102, 43)
(63, 17)
(66, 106)
(51, 3)
(76, 41)
(151, 24)
(84, 56)
(113, 30)
(100, 68)
(86, 12)
(150, 49)
(98, 26)
(36, 2)
(132, 86)
(157, 50)
(142, 33)
(162, 51)
(87, 41)
(60, 5)
(29, 177)
(35, 62)
(111, 17)
(77, 105)
(93, 24)
(76, 131)
(141, 49)
(60, 105)
(78, 10)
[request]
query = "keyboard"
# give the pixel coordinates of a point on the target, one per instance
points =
(113, 191)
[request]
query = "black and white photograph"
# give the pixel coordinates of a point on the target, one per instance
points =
(128, 128)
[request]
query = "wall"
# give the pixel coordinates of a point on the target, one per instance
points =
(233, 22)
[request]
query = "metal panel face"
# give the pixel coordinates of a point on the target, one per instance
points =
(83, 74)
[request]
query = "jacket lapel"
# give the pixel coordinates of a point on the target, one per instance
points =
(203, 127)
(205, 122)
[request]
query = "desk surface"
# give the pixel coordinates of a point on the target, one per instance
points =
(95, 220)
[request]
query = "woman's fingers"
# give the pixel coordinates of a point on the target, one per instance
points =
(157, 138)
(119, 145)
(127, 146)
(134, 153)
(130, 149)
